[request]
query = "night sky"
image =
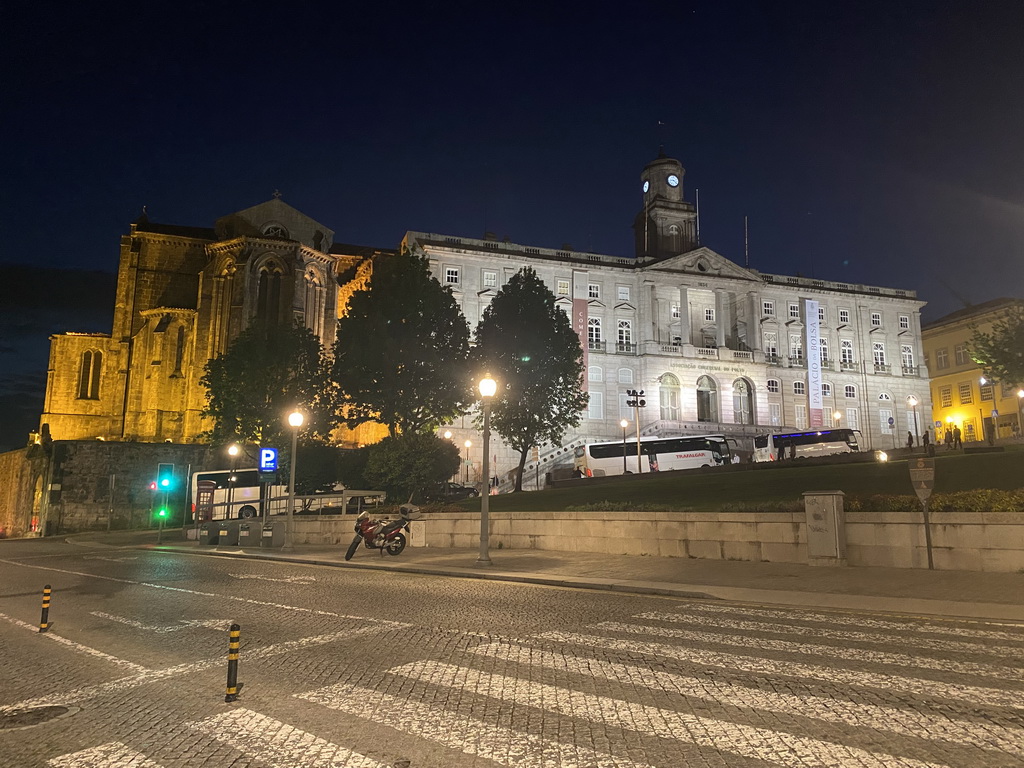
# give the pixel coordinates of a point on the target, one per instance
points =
(875, 143)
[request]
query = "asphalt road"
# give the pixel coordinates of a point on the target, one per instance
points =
(367, 669)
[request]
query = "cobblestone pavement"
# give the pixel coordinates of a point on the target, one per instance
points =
(352, 668)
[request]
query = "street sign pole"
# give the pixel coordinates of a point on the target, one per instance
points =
(922, 477)
(928, 534)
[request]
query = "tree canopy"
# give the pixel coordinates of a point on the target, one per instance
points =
(527, 344)
(401, 350)
(1000, 352)
(267, 371)
(408, 463)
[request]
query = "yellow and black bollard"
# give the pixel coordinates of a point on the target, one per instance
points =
(44, 622)
(233, 685)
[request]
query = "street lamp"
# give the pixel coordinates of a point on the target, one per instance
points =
(465, 468)
(233, 451)
(487, 388)
(295, 419)
(623, 424)
(912, 402)
(836, 416)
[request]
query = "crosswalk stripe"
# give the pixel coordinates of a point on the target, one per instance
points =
(112, 755)
(748, 741)
(835, 634)
(901, 721)
(819, 649)
(835, 619)
(762, 666)
(278, 744)
(504, 745)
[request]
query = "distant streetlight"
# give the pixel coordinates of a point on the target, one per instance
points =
(623, 424)
(295, 419)
(836, 416)
(447, 434)
(1020, 413)
(465, 469)
(912, 402)
(487, 387)
(233, 451)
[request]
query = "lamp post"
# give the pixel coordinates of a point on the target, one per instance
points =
(487, 388)
(295, 419)
(623, 424)
(836, 416)
(233, 451)
(448, 436)
(1020, 413)
(465, 468)
(912, 402)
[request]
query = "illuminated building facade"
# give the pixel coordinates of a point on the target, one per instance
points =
(960, 398)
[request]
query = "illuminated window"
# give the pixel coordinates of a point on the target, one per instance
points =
(490, 279)
(771, 344)
(707, 399)
(89, 375)
(563, 288)
(946, 397)
(451, 275)
(800, 416)
(775, 414)
(846, 351)
(595, 408)
(987, 392)
(594, 331)
(625, 375)
(623, 293)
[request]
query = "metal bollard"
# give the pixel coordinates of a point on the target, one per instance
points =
(44, 622)
(233, 685)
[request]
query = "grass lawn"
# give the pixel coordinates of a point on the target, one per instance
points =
(710, 489)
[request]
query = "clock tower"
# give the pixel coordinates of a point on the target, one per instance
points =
(667, 224)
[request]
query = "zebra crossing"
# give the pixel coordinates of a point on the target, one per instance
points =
(719, 684)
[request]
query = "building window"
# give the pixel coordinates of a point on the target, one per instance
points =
(966, 393)
(850, 392)
(268, 296)
(594, 291)
(941, 359)
(884, 414)
(821, 314)
(451, 275)
(625, 375)
(775, 414)
(962, 358)
(800, 416)
(668, 394)
(796, 346)
(89, 375)
(844, 316)
(768, 308)
(179, 351)
(595, 408)
(853, 418)
(623, 293)
(563, 288)
(823, 346)
(799, 388)
(773, 386)
(878, 352)
(709, 314)
(313, 310)
(876, 319)
(771, 344)
(904, 322)
(986, 392)
(794, 311)
(946, 397)
(846, 351)
(625, 334)
(707, 399)
(490, 279)
(595, 373)
(907, 356)
(675, 310)
(594, 331)
(742, 402)
(826, 389)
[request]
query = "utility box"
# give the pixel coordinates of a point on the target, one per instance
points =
(208, 533)
(227, 532)
(273, 535)
(249, 534)
(826, 527)
(417, 533)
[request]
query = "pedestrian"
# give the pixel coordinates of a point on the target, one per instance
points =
(948, 439)
(910, 441)
(957, 442)
(925, 439)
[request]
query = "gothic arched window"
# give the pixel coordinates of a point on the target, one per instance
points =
(707, 399)
(89, 375)
(314, 308)
(268, 298)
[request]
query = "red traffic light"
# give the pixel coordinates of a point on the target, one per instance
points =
(152, 485)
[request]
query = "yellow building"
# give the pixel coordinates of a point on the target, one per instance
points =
(961, 396)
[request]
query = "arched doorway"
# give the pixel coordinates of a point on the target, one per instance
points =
(742, 402)
(707, 399)
(668, 391)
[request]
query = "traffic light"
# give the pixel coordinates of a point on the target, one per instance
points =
(163, 512)
(165, 476)
(152, 485)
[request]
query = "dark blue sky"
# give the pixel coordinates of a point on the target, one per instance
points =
(868, 142)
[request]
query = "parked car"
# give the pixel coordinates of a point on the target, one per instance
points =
(450, 492)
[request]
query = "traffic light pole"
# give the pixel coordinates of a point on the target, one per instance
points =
(636, 402)
(160, 519)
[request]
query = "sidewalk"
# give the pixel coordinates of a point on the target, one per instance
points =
(962, 594)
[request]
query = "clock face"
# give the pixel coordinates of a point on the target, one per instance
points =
(673, 180)
(647, 185)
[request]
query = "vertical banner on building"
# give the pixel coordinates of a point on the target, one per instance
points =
(580, 299)
(814, 400)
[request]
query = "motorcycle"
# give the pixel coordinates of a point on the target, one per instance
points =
(385, 535)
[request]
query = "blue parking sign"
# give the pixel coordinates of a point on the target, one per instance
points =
(268, 459)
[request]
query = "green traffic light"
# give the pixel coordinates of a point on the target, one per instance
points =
(162, 512)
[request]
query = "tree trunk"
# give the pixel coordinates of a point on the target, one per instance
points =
(519, 471)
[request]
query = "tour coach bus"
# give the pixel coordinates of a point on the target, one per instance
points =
(232, 494)
(660, 454)
(805, 444)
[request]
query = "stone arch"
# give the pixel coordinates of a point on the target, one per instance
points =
(89, 371)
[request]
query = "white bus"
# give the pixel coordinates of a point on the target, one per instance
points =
(235, 494)
(657, 453)
(805, 444)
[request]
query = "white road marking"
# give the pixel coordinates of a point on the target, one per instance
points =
(280, 745)
(836, 634)
(761, 666)
(77, 647)
(503, 745)
(223, 624)
(833, 619)
(286, 580)
(817, 649)
(110, 559)
(906, 722)
(112, 755)
(747, 741)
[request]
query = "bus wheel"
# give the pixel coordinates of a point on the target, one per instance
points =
(247, 511)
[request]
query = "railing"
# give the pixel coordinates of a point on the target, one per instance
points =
(595, 345)
(827, 365)
(772, 359)
(847, 365)
(797, 362)
(739, 354)
(709, 352)
(882, 368)
(910, 370)
(625, 347)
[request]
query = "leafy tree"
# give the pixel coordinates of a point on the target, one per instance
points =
(401, 351)
(266, 372)
(1000, 352)
(407, 463)
(530, 348)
